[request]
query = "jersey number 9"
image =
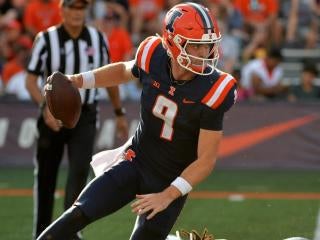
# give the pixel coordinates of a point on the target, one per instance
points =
(166, 110)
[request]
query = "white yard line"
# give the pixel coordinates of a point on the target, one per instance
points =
(317, 230)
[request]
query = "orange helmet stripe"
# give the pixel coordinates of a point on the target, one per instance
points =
(205, 17)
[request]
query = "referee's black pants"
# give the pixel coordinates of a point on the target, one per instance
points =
(79, 142)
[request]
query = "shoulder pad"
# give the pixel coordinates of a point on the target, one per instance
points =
(220, 90)
(145, 51)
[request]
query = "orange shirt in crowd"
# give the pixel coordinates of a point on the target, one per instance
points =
(9, 69)
(149, 8)
(258, 10)
(120, 46)
(39, 15)
(15, 65)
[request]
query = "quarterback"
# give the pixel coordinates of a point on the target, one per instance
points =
(183, 101)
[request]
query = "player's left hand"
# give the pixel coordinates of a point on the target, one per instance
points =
(151, 203)
(122, 127)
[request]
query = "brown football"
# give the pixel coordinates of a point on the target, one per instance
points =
(63, 99)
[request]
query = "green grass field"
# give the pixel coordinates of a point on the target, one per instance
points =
(247, 219)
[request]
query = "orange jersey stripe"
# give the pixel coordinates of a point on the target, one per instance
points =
(219, 91)
(213, 89)
(150, 52)
(140, 51)
(223, 94)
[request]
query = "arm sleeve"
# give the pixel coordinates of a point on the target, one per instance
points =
(135, 71)
(212, 119)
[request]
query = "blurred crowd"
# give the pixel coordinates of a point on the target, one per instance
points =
(254, 34)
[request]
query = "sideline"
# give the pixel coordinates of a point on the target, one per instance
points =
(16, 192)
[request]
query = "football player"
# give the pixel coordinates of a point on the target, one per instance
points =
(175, 146)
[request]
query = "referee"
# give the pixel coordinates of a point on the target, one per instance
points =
(70, 48)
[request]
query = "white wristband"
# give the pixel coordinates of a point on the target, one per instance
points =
(88, 79)
(183, 186)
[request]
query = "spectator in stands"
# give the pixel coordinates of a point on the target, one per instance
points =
(170, 3)
(7, 12)
(121, 49)
(118, 37)
(261, 78)
(302, 23)
(121, 9)
(306, 90)
(20, 6)
(2, 54)
(145, 18)
(261, 25)
(230, 23)
(256, 47)
(317, 8)
(41, 14)
(8, 25)
(14, 71)
(2, 93)
(9, 37)
(17, 65)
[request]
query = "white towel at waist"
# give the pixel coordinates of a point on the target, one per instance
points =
(104, 160)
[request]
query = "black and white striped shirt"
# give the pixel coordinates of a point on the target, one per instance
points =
(55, 50)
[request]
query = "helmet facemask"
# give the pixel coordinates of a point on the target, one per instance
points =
(203, 65)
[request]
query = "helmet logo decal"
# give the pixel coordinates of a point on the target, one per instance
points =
(175, 14)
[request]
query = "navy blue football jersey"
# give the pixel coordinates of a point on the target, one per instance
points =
(173, 112)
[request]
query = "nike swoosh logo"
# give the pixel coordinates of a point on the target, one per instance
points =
(238, 142)
(186, 101)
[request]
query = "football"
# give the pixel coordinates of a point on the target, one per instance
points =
(63, 99)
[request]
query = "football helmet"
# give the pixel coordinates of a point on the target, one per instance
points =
(191, 26)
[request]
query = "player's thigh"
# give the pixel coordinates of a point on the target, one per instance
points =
(110, 191)
(160, 225)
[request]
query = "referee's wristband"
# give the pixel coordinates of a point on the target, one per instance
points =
(88, 80)
(119, 111)
(183, 185)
